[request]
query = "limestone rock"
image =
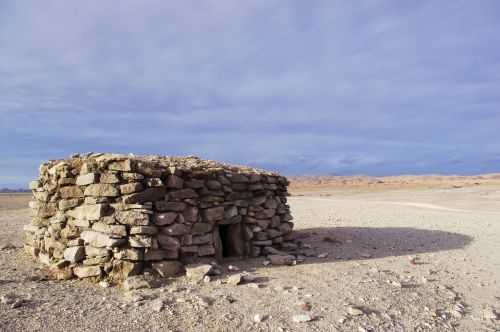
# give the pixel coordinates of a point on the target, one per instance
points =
(70, 192)
(87, 212)
(101, 190)
(213, 214)
(86, 179)
(99, 240)
(132, 218)
(168, 269)
(281, 259)
(135, 282)
(197, 272)
(130, 188)
(87, 271)
(166, 218)
(74, 254)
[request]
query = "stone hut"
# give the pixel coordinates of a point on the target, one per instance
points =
(109, 216)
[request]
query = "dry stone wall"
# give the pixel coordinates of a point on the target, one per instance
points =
(111, 216)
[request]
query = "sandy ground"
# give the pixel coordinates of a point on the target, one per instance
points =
(418, 258)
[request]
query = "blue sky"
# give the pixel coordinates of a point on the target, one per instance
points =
(301, 87)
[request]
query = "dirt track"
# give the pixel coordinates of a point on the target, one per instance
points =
(410, 259)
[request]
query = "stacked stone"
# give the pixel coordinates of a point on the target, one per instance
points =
(111, 216)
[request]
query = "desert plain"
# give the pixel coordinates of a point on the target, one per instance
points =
(407, 253)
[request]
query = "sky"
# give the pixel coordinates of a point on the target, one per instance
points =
(298, 87)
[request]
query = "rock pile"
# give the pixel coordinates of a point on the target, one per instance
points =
(109, 216)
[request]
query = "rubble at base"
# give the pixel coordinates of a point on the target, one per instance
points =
(107, 216)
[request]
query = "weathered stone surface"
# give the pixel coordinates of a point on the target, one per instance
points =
(121, 269)
(213, 214)
(113, 230)
(201, 228)
(168, 242)
(175, 182)
(176, 230)
(160, 254)
(239, 178)
(70, 192)
(41, 196)
(110, 178)
(99, 240)
(213, 185)
(281, 259)
(74, 254)
(183, 194)
(122, 165)
(191, 214)
(87, 212)
(101, 190)
(130, 188)
(143, 230)
(66, 204)
(135, 282)
(87, 271)
(170, 206)
(202, 239)
(34, 185)
(147, 195)
(86, 179)
(206, 250)
(168, 269)
(197, 272)
(132, 254)
(132, 218)
(162, 219)
(140, 241)
(97, 252)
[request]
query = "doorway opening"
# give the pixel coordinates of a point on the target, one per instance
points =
(231, 240)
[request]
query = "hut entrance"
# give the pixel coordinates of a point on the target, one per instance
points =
(230, 241)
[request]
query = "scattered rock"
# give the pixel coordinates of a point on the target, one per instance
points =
(233, 268)
(157, 305)
(323, 255)
(281, 259)
(354, 311)
(306, 306)
(135, 282)
(197, 272)
(235, 279)
(259, 318)
(168, 268)
(303, 318)
(491, 314)
(8, 298)
(104, 284)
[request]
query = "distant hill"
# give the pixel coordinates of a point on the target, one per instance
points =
(11, 191)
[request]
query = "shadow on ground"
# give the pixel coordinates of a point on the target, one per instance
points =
(362, 243)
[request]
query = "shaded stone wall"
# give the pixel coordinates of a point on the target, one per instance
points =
(110, 216)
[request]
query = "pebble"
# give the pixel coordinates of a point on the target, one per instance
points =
(490, 313)
(323, 255)
(157, 305)
(104, 284)
(233, 268)
(304, 318)
(235, 279)
(354, 311)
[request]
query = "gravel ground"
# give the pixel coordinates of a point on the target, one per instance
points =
(391, 260)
